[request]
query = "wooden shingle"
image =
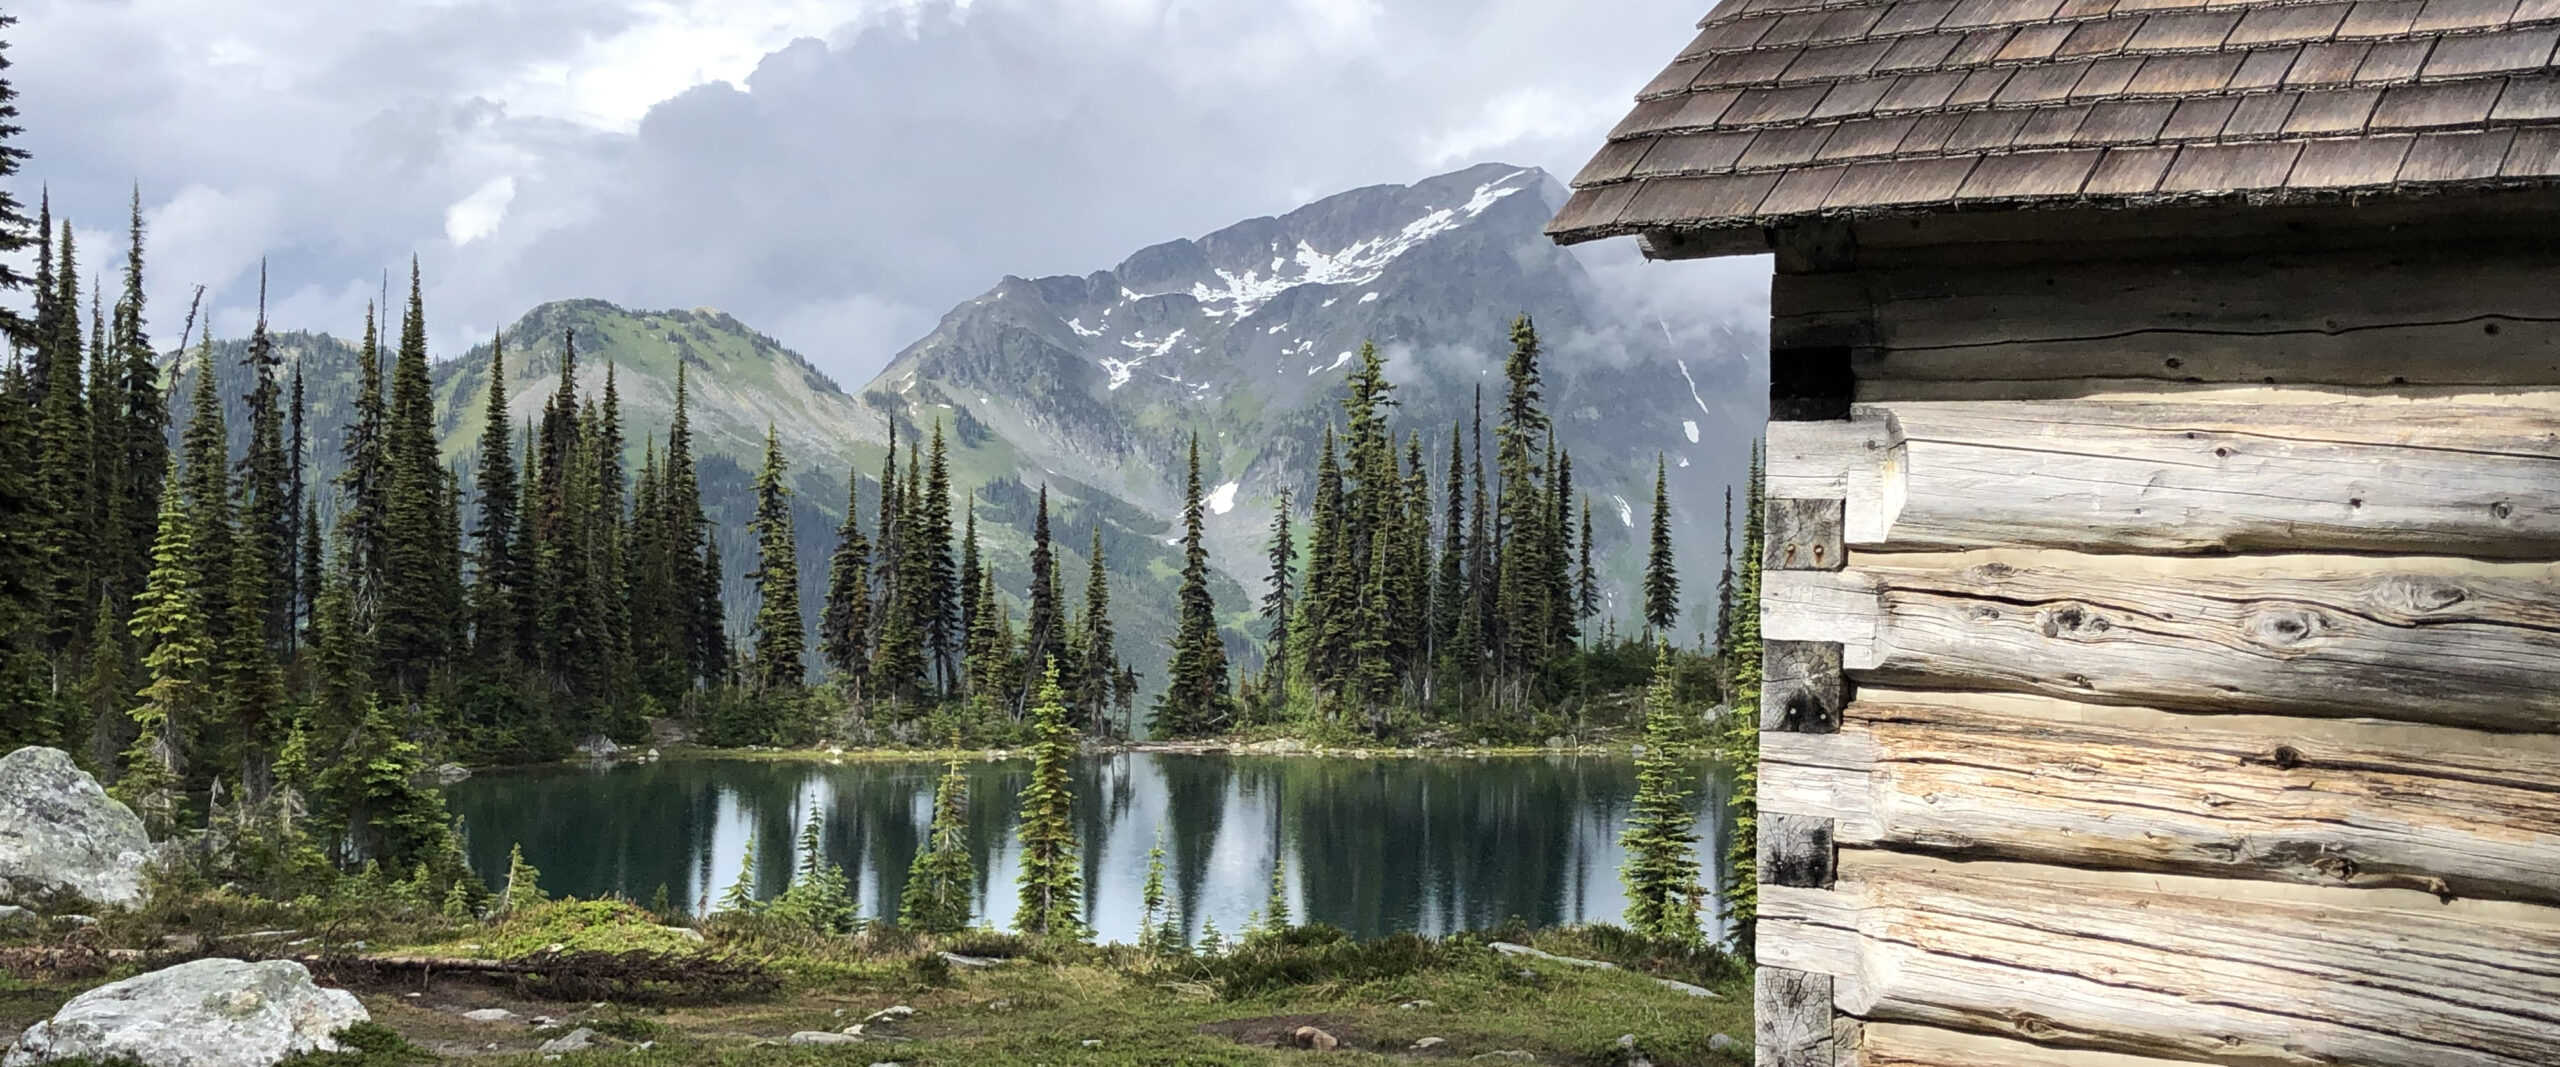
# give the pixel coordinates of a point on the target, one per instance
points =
(1781, 109)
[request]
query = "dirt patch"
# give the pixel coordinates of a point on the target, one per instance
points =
(1276, 1031)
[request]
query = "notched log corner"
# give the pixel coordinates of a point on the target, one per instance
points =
(1804, 689)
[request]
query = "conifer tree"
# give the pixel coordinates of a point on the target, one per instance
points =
(494, 591)
(177, 653)
(206, 495)
(694, 555)
(1324, 611)
(252, 689)
(973, 570)
(364, 483)
(264, 505)
(1522, 597)
(421, 595)
(1158, 928)
(778, 637)
(13, 218)
(1195, 699)
(942, 880)
(1586, 580)
(820, 897)
(25, 677)
(1097, 656)
(1044, 624)
(1052, 880)
(1449, 587)
(1277, 598)
(844, 623)
(1661, 871)
(62, 456)
(523, 888)
(144, 466)
(1661, 579)
(740, 897)
(1741, 736)
(932, 542)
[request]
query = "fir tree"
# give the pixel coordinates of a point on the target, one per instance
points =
(177, 653)
(1195, 699)
(820, 897)
(62, 456)
(931, 541)
(1097, 655)
(778, 637)
(421, 594)
(523, 889)
(1661, 580)
(740, 897)
(1523, 586)
(1449, 587)
(264, 506)
(1052, 881)
(1661, 871)
(942, 880)
(13, 217)
(973, 571)
(377, 788)
(1586, 580)
(1044, 624)
(25, 677)
(1158, 929)
(844, 623)
(1324, 612)
(205, 494)
(145, 464)
(364, 483)
(494, 593)
(1275, 908)
(1741, 736)
(1279, 584)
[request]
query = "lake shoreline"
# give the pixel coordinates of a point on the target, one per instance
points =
(906, 754)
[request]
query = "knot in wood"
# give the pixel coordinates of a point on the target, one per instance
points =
(2422, 593)
(2285, 758)
(2285, 627)
(2073, 621)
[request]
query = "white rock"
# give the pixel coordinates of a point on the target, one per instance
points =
(203, 1013)
(1723, 1043)
(1429, 1043)
(449, 773)
(892, 1014)
(1509, 1055)
(600, 747)
(1694, 991)
(489, 1015)
(59, 831)
(822, 1037)
(1091, 1042)
(578, 1040)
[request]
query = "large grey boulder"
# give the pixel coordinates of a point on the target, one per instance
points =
(202, 1013)
(60, 832)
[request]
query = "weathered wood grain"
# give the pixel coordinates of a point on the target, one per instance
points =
(1804, 535)
(1802, 689)
(1791, 1018)
(2319, 802)
(2197, 969)
(2475, 477)
(2451, 642)
(1795, 850)
(2494, 352)
(1905, 1045)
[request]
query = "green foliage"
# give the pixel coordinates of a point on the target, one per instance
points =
(1196, 698)
(740, 897)
(1051, 880)
(1661, 578)
(820, 897)
(943, 879)
(1740, 740)
(524, 884)
(365, 1044)
(1159, 928)
(1661, 870)
(1306, 955)
(778, 634)
(579, 926)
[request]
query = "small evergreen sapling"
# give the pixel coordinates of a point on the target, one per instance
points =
(1052, 882)
(1661, 871)
(942, 879)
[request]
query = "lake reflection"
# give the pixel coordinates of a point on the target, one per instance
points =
(1370, 845)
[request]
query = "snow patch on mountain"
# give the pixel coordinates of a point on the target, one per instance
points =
(1358, 263)
(1222, 499)
(1626, 513)
(1120, 369)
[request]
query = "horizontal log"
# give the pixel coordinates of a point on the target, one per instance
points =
(1905, 1045)
(2498, 351)
(2184, 968)
(2450, 642)
(2476, 476)
(2319, 802)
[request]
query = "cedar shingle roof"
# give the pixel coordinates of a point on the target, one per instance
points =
(1781, 110)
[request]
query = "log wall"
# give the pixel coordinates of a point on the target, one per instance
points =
(2163, 621)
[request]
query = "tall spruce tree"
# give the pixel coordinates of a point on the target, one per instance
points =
(1097, 656)
(1586, 581)
(1741, 735)
(145, 441)
(778, 635)
(421, 579)
(931, 540)
(1045, 623)
(1523, 588)
(844, 623)
(364, 484)
(1195, 699)
(13, 215)
(1661, 579)
(1279, 587)
(265, 504)
(1052, 880)
(1661, 870)
(177, 654)
(494, 591)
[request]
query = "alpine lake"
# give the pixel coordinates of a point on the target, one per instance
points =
(1430, 844)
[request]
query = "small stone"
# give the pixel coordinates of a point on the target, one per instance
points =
(556, 947)
(1429, 1043)
(1091, 1042)
(686, 932)
(1509, 1055)
(1000, 1004)
(1308, 1037)
(489, 1015)
(1694, 991)
(544, 1022)
(645, 1045)
(957, 960)
(413, 996)
(895, 1013)
(822, 1037)
(1627, 1041)
(854, 1030)
(888, 1063)
(578, 1040)
(1723, 1043)
(1414, 1005)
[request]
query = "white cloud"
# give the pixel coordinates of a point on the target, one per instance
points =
(478, 215)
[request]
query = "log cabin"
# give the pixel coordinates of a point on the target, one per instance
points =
(2162, 589)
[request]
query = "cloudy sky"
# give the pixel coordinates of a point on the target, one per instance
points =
(834, 172)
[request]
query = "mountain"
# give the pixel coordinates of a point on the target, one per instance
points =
(1091, 385)
(1244, 335)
